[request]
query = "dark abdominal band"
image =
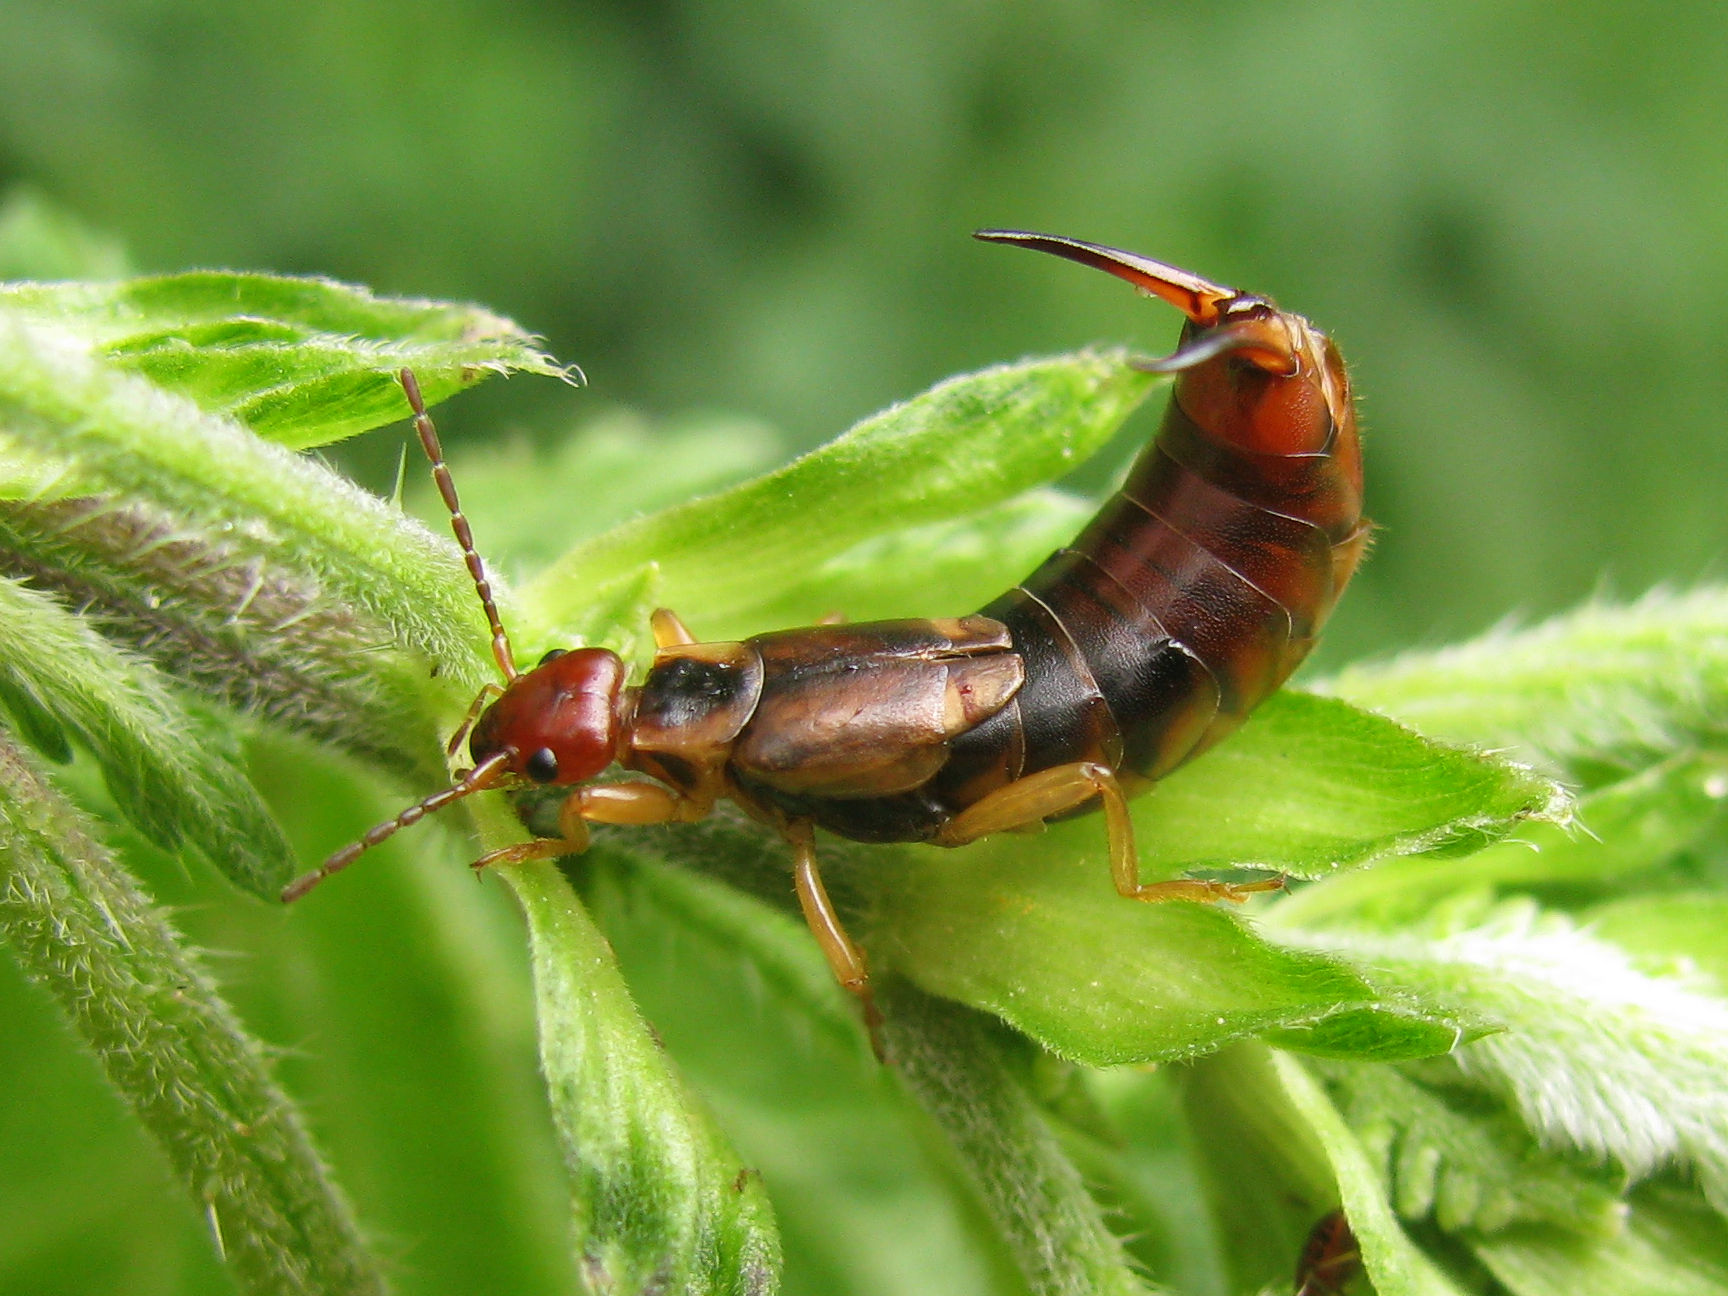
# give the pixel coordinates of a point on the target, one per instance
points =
(1182, 605)
(1178, 609)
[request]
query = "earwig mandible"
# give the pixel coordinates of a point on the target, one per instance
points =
(1189, 598)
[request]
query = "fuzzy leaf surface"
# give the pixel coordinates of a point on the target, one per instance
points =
(1622, 684)
(660, 1201)
(167, 772)
(1032, 929)
(1596, 1055)
(81, 928)
(301, 361)
(958, 448)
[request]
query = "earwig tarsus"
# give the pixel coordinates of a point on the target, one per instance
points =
(1190, 597)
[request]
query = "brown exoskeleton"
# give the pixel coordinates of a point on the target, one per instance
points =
(1189, 598)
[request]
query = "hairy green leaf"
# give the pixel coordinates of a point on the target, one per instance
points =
(1031, 927)
(1596, 1055)
(300, 361)
(1457, 1155)
(167, 772)
(1638, 823)
(175, 1051)
(1040, 938)
(660, 1201)
(1620, 684)
(960, 447)
(958, 1066)
(1310, 786)
(199, 535)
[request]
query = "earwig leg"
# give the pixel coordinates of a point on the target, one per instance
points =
(632, 803)
(845, 959)
(1197, 890)
(1054, 791)
(609, 803)
(668, 630)
(538, 849)
(573, 842)
(1030, 800)
(486, 694)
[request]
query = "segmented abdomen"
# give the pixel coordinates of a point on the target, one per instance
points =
(1191, 596)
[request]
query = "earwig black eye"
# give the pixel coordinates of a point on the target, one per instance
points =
(552, 653)
(542, 766)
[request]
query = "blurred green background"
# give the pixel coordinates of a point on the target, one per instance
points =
(1513, 217)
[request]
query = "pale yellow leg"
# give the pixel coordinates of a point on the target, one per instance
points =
(845, 959)
(609, 803)
(668, 630)
(1055, 791)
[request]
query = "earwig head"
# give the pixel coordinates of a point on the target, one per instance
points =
(558, 723)
(1257, 378)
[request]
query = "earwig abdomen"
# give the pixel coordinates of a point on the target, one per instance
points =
(1186, 601)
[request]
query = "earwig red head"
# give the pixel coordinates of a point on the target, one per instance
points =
(559, 722)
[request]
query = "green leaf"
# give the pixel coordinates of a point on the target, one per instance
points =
(964, 445)
(1596, 1055)
(1453, 1154)
(167, 772)
(1032, 929)
(1396, 1266)
(1310, 786)
(172, 1048)
(1619, 684)
(301, 361)
(1636, 824)
(258, 574)
(959, 1066)
(660, 1201)
(1040, 938)
(1671, 1246)
(932, 570)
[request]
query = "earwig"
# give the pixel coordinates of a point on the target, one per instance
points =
(1330, 1258)
(1190, 597)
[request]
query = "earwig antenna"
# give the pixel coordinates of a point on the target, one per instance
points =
(1199, 299)
(458, 522)
(478, 779)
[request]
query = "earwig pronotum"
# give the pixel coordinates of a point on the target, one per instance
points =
(1189, 598)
